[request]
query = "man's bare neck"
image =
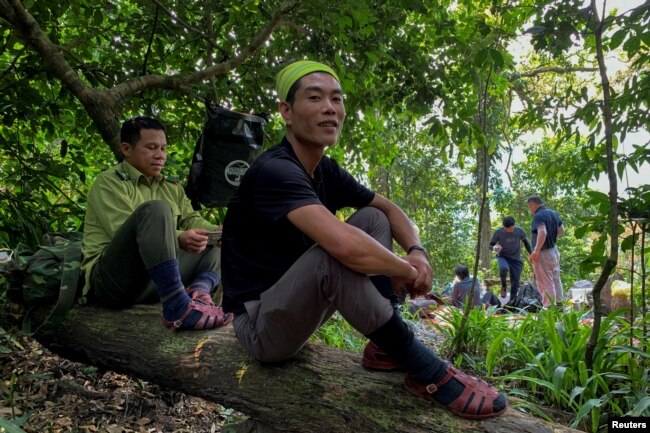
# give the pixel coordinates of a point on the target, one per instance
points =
(308, 156)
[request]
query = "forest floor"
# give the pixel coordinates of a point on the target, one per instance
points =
(43, 393)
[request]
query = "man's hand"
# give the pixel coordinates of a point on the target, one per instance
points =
(193, 240)
(534, 256)
(422, 283)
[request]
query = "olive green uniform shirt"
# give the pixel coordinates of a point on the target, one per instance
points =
(114, 196)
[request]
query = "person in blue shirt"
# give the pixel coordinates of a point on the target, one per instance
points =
(546, 228)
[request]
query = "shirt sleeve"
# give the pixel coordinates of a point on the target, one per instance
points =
(189, 218)
(347, 192)
(279, 187)
(455, 295)
(110, 202)
(495, 239)
(522, 234)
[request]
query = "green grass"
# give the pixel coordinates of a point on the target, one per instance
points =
(338, 333)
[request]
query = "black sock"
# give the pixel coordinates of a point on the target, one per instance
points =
(417, 359)
(384, 286)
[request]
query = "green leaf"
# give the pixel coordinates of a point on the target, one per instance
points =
(640, 408)
(10, 427)
(617, 38)
(497, 57)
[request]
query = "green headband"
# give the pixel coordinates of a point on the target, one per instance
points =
(295, 71)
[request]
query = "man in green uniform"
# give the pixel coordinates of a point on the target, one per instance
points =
(143, 242)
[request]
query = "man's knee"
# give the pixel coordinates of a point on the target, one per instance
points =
(503, 272)
(372, 215)
(154, 207)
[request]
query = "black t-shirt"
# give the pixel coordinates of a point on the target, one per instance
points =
(259, 243)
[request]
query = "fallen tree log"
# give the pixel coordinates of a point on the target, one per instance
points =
(321, 390)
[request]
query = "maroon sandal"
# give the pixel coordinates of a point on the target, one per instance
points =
(211, 317)
(200, 296)
(374, 358)
(475, 402)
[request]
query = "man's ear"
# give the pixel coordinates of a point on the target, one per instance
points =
(285, 111)
(125, 148)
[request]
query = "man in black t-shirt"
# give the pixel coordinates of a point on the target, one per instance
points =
(506, 242)
(288, 263)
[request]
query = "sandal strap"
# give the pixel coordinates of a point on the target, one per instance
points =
(433, 387)
(477, 398)
(211, 317)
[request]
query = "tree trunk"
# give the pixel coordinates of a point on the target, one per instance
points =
(321, 390)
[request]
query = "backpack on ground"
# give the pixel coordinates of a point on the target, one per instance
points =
(528, 298)
(229, 143)
(48, 276)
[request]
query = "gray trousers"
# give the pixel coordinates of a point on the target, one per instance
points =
(148, 237)
(547, 276)
(275, 327)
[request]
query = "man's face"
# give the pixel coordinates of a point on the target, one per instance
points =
(316, 116)
(149, 154)
(532, 207)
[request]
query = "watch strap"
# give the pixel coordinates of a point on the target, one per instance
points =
(417, 248)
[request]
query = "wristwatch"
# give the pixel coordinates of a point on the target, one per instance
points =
(418, 248)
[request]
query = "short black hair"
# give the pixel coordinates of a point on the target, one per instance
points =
(291, 94)
(535, 199)
(131, 128)
(508, 221)
(462, 271)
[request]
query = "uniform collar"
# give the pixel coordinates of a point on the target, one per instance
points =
(135, 174)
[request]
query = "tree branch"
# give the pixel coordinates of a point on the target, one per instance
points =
(123, 90)
(547, 69)
(29, 30)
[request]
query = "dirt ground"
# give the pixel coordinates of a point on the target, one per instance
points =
(43, 393)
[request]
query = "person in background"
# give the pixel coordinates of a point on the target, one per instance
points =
(142, 240)
(463, 287)
(506, 243)
(289, 263)
(546, 228)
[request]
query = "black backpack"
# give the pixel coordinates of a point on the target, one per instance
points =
(229, 143)
(528, 298)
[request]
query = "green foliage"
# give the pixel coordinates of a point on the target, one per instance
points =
(476, 337)
(542, 359)
(337, 332)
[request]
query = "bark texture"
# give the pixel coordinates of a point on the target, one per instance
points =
(321, 390)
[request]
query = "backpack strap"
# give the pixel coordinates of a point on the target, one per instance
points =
(67, 293)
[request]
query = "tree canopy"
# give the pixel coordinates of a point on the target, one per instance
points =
(431, 89)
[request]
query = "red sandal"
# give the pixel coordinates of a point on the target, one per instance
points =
(374, 358)
(475, 402)
(200, 295)
(211, 317)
